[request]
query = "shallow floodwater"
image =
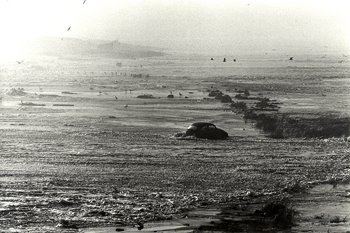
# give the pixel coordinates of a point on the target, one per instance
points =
(104, 159)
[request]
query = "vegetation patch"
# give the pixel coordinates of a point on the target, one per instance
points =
(283, 125)
(266, 117)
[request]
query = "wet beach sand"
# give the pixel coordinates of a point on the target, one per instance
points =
(84, 154)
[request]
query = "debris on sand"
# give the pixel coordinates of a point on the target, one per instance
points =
(63, 105)
(68, 93)
(19, 124)
(171, 96)
(146, 96)
(16, 92)
(48, 96)
(30, 104)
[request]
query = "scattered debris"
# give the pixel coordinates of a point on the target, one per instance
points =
(63, 105)
(30, 104)
(146, 96)
(16, 92)
(68, 93)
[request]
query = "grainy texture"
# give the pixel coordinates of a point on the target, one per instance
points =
(101, 161)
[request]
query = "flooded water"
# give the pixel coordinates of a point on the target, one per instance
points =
(102, 161)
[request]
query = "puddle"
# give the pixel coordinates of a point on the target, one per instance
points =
(325, 208)
(191, 221)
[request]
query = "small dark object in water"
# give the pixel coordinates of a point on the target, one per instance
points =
(119, 229)
(234, 60)
(291, 58)
(206, 130)
(212, 59)
(171, 96)
(224, 60)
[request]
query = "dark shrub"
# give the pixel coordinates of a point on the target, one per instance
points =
(226, 99)
(215, 93)
(282, 215)
(239, 106)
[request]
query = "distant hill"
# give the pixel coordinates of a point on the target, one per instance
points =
(127, 50)
(72, 46)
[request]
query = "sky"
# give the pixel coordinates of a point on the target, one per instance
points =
(202, 26)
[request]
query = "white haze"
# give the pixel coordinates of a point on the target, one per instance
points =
(200, 26)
